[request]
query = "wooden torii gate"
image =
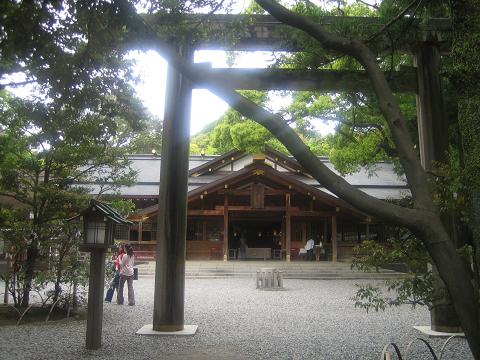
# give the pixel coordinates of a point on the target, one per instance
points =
(266, 33)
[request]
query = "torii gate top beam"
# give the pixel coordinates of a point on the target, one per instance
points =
(264, 32)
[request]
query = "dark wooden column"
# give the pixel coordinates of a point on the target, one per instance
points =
(288, 227)
(334, 238)
(204, 230)
(325, 231)
(168, 311)
(225, 227)
(431, 112)
(140, 231)
(95, 299)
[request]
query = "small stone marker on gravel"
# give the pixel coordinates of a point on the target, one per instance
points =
(269, 279)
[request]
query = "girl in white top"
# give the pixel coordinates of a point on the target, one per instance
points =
(126, 264)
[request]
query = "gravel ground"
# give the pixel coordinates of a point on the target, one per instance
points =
(312, 319)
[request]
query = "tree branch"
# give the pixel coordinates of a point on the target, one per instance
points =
(394, 20)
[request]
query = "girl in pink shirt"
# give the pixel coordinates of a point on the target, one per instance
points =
(126, 274)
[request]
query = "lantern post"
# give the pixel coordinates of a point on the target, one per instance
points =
(99, 221)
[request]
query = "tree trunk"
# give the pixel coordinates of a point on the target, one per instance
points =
(443, 317)
(58, 281)
(75, 296)
(32, 254)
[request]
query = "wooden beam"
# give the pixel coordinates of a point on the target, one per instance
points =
(306, 213)
(267, 192)
(194, 212)
(404, 81)
(249, 208)
(264, 32)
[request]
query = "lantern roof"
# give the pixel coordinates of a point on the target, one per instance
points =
(106, 210)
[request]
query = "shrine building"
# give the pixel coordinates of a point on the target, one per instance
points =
(268, 197)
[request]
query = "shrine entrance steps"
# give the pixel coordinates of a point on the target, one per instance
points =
(312, 270)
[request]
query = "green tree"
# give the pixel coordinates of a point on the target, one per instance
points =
(45, 155)
(235, 131)
(75, 127)
(149, 139)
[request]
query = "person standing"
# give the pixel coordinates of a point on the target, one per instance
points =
(243, 245)
(309, 248)
(116, 279)
(126, 274)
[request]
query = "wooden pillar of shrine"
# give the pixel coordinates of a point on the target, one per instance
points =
(225, 227)
(288, 227)
(325, 231)
(140, 231)
(168, 311)
(334, 238)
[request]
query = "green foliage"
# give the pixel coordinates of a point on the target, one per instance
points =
(234, 131)
(415, 288)
(124, 207)
(321, 146)
(450, 188)
(361, 151)
(74, 129)
(369, 297)
(149, 139)
(412, 290)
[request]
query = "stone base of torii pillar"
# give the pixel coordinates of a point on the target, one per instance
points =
(187, 331)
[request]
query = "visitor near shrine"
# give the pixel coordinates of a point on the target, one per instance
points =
(126, 274)
(116, 279)
(309, 248)
(243, 245)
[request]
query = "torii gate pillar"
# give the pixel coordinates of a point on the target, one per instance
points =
(168, 311)
(433, 138)
(431, 112)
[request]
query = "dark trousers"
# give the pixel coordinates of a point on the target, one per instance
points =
(113, 287)
(131, 293)
(310, 255)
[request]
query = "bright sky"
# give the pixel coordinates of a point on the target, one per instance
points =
(206, 107)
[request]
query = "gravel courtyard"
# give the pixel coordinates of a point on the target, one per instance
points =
(312, 319)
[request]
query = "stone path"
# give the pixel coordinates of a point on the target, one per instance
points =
(311, 319)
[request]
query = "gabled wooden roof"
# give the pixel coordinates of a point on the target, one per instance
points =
(273, 155)
(217, 163)
(285, 161)
(147, 212)
(258, 171)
